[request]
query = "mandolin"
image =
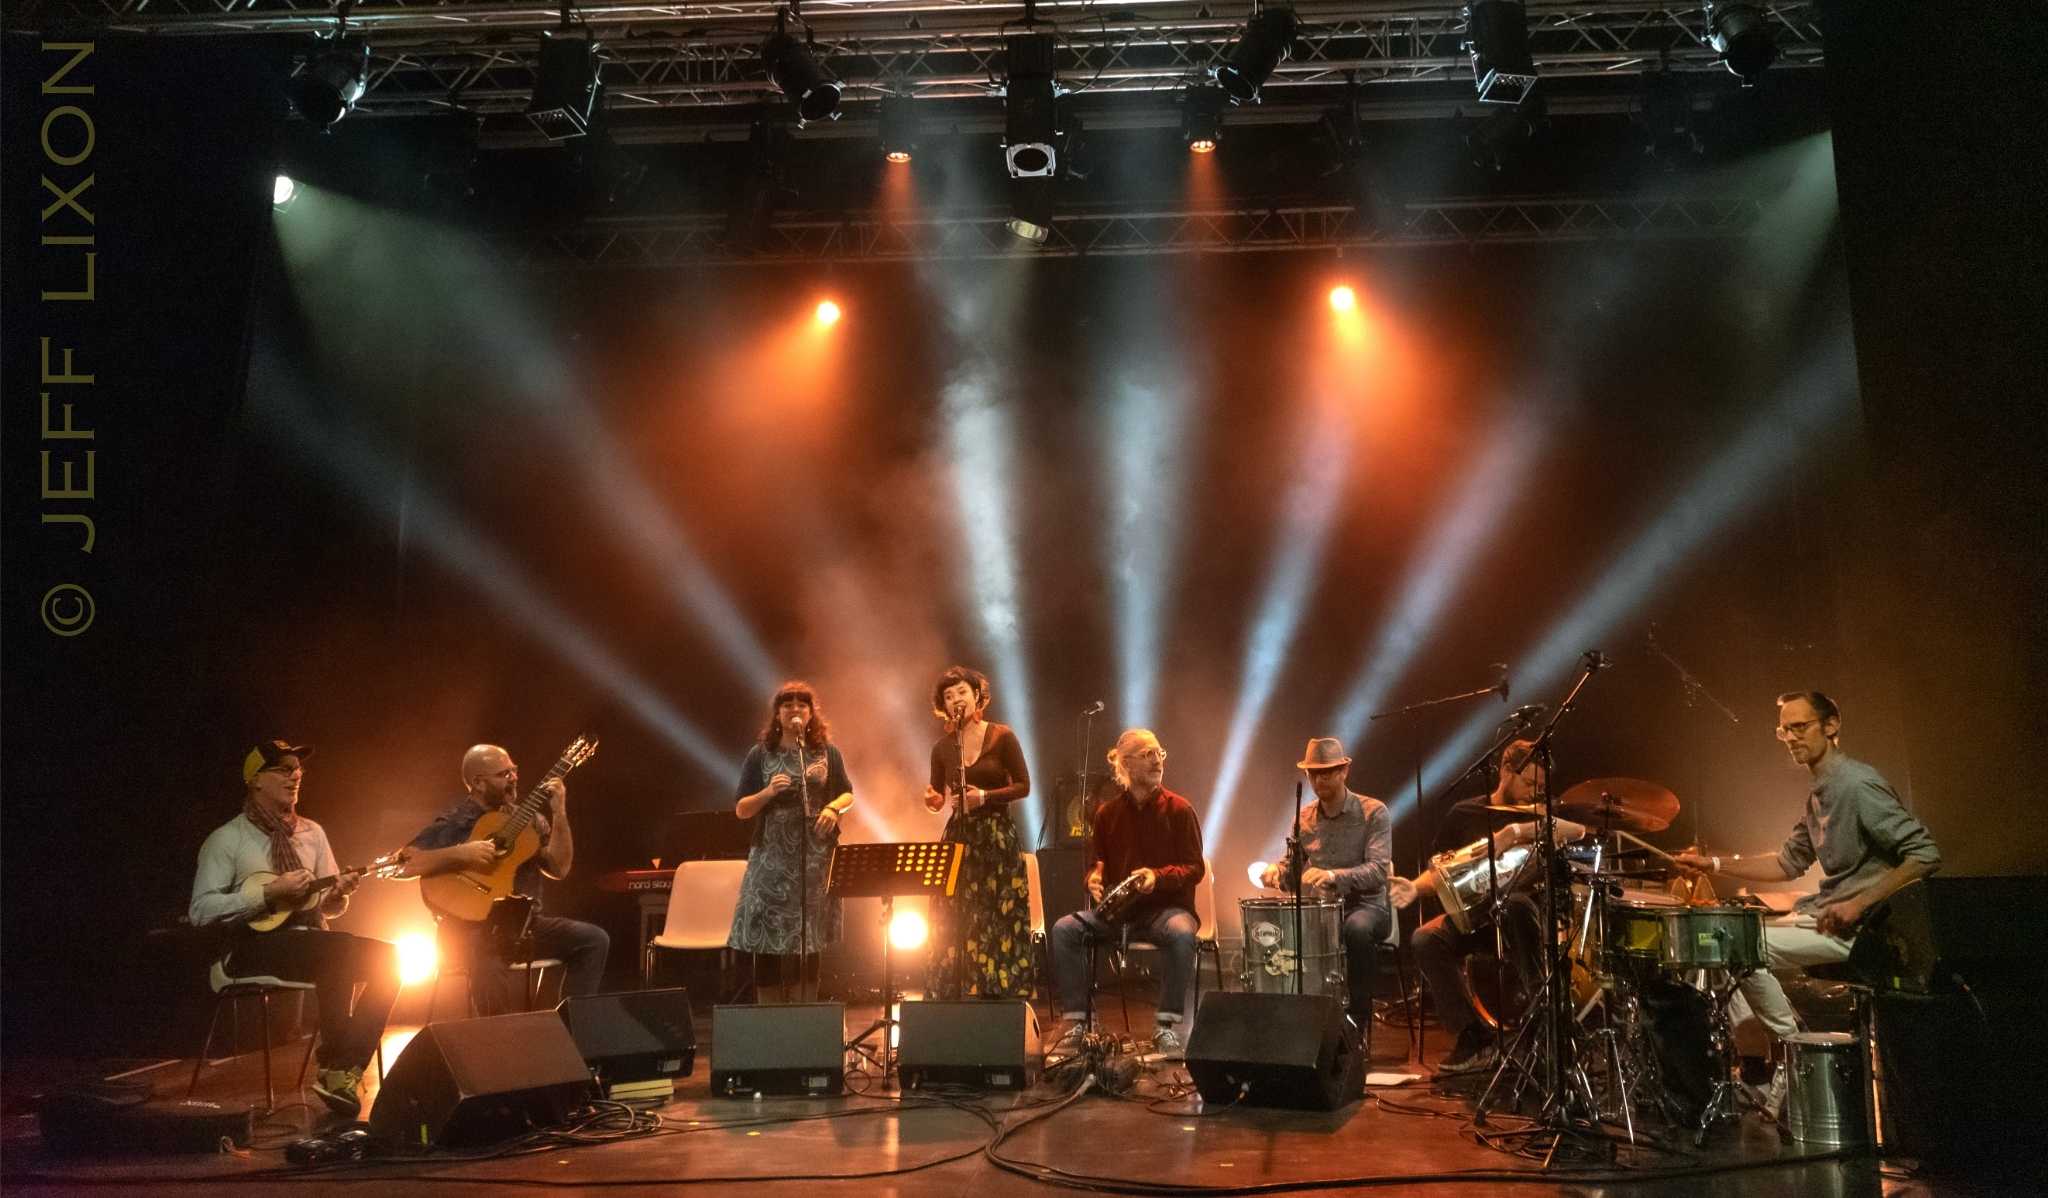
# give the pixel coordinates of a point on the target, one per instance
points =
(468, 894)
(276, 912)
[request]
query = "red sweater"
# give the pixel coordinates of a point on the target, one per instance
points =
(1163, 836)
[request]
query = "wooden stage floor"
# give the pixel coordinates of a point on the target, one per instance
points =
(1400, 1138)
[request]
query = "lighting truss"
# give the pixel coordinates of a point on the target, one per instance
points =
(482, 55)
(697, 239)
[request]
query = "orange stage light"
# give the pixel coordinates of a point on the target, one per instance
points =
(1202, 145)
(907, 930)
(1342, 298)
(899, 155)
(828, 312)
(416, 958)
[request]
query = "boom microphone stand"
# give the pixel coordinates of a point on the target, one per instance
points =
(803, 868)
(1415, 748)
(1300, 860)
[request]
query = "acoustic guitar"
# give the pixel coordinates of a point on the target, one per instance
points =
(468, 894)
(277, 911)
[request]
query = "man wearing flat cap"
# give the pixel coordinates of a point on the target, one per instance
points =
(270, 836)
(1348, 842)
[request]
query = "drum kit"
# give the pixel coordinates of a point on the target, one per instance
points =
(1653, 961)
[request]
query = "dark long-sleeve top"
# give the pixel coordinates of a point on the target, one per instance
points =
(1000, 771)
(1356, 844)
(1857, 829)
(1161, 835)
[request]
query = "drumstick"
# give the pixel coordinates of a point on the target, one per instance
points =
(1651, 847)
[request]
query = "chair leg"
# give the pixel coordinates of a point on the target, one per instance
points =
(1408, 1004)
(307, 1060)
(1123, 991)
(212, 1022)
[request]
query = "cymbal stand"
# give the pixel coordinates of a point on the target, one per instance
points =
(1568, 1109)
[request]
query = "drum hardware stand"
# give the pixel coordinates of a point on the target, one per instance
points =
(1568, 1106)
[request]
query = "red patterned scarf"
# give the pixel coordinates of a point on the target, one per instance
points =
(284, 855)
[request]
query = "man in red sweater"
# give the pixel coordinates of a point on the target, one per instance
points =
(1147, 834)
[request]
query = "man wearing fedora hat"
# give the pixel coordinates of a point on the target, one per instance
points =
(1348, 842)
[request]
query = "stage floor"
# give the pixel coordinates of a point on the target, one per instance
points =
(1407, 1138)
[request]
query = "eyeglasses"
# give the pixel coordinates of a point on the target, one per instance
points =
(1145, 755)
(290, 771)
(1794, 731)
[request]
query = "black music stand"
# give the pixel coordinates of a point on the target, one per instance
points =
(884, 871)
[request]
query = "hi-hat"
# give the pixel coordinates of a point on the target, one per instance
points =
(1630, 804)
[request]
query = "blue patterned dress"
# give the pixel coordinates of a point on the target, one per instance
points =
(766, 919)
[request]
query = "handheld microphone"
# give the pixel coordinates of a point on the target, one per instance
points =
(1501, 688)
(1528, 713)
(1094, 708)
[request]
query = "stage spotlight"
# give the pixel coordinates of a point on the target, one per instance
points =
(567, 90)
(1497, 38)
(899, 127)
(1342, 298)
(907, 931)
(334, 79)
(1031, 123)
(1499, 139)
(828, 312)
(1031, 209)
(1267, 38)
(798, 74)
(282, 192)
(417, 955)
(1741, 35)
(1201, 118)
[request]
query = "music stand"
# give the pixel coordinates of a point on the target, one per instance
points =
(884, 871)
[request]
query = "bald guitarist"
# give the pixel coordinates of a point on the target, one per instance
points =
(271, 837)
(490, 782)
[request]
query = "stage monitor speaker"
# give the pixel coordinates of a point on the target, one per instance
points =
(786, 1048)
(472, 1082)
(1961, 1079)
(1279, 1050)
(118, 1117)
(633, 1035)
(986, 1044)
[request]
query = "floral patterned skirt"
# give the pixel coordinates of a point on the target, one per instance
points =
(993, 899)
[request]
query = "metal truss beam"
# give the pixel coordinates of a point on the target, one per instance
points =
(700, 238)
(480, 55)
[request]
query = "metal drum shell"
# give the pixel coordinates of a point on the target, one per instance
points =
(1462, 881)
(1713, 937)
(1825, 1094)
(1270, 952)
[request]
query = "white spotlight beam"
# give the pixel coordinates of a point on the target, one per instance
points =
(1814, 411)
(1145, 424)
(373, 480)
(1305, 524)
(1494, 481)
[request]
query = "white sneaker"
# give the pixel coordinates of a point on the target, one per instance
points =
(1167, 1045)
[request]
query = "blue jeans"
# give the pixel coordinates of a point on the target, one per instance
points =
(1365, 926)
(580, 947)
(1171, 929)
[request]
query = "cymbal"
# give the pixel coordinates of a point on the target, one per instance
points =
(1633, 804)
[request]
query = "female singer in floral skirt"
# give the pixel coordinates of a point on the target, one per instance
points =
(992, 899)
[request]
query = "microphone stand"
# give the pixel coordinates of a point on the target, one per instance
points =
(1415, 748)
(803, 868)
(1300, 872)
(960, 812)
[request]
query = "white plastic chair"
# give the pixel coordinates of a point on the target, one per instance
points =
(701, 901)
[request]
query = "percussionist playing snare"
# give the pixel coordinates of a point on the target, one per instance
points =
(1348, 840)
(1441, 947)
(1865, 841)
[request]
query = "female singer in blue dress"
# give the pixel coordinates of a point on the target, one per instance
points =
(794, 788)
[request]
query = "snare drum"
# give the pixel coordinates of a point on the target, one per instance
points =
(1714, 938)
(1668, 936)
(1271, 955)
(1463, 884)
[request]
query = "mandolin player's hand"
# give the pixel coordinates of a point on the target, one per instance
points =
(292, 886)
